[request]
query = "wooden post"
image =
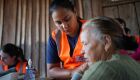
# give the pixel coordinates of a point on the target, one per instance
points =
(28, 30)
(42, 39)
(1, 20)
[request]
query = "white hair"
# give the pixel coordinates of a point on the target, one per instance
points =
(92, 31)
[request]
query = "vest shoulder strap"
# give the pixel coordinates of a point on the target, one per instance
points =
(21, 67)
(56, 35)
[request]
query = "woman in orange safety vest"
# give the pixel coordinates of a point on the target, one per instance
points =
(64, 44)
(12, 57)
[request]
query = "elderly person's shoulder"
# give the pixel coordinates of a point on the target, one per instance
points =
(98, 71)
(114, 69)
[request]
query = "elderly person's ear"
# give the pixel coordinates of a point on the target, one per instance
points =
(107, 42)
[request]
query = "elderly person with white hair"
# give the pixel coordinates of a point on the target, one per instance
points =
(102, 38)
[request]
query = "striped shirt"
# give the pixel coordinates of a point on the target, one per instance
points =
(119, 67)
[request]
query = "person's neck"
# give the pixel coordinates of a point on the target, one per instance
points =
(13, 65)
(76, 32)
(108, 54)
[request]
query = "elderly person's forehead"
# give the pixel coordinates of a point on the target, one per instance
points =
(90, 28)
(88, 25)
(86, 28)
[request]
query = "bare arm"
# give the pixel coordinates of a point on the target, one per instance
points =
(55, 72)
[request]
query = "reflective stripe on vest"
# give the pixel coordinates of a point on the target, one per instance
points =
(2, 66)
(20, 67)
(63, 48)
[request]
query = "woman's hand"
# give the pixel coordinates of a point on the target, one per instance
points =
(81, 69)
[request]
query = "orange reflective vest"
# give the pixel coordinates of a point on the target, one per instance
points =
(20, 67)
(63, 48)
